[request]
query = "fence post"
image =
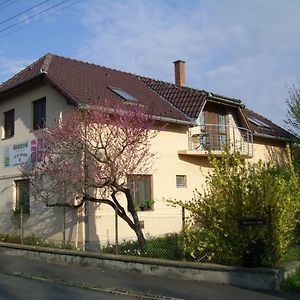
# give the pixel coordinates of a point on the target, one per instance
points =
(183, 231)
(22, 223)
(116, 231)
(64, 227)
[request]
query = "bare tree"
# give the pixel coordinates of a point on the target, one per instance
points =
(293, 112)
(88, 155)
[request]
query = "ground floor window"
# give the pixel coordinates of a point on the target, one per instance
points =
(141, 191)
(181, 181)
(22, 201)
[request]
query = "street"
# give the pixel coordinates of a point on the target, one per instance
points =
(15, 287)
(23, 278)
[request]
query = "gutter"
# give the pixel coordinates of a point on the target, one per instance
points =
(171, 120)
(278, 138)
(84, 106)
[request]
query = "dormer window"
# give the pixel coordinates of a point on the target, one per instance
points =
(258, 123)
(124, 95)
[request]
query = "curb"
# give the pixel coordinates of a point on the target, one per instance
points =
(254, 278)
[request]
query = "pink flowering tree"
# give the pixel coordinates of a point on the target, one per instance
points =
(87, 156)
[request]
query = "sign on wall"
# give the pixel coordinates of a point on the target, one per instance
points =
(17, 154)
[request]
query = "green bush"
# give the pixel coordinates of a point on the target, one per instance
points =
(237, 191)
(168, 246)
(292, 254)
(292, 284)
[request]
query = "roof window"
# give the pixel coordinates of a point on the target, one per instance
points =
(122, 93)
(258, 123)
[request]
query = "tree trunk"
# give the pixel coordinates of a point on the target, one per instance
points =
(136, 221)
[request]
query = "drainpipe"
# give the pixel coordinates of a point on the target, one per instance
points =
(85, 206)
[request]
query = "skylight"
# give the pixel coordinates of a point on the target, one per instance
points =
(258, 122)
(122, 93)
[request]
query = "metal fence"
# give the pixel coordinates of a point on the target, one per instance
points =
(167, 241)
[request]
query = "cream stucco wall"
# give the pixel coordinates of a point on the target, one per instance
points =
(49, 223)
(43, 222)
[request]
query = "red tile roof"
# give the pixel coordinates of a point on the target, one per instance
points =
(82, 82)
(272, 129)
(188, 100)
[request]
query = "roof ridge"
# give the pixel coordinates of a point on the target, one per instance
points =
(174, 84)
(93, 64)
(22, 71)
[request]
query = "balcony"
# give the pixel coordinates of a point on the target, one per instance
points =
(214, 139)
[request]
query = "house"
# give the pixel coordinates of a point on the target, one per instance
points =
(197, 123)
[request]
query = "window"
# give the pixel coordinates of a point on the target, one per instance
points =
(141, 191)
(9, 123)
(180, 181)
(122, 93)
(39, 114)
(258, 123)
(22, 196)
(213, 124)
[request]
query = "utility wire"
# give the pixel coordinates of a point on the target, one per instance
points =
(40, 19)
(33, 7)
(10, 2)
(32, 16)
(4, 2)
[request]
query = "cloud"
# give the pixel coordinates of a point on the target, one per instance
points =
(10, 67)
(244, 49)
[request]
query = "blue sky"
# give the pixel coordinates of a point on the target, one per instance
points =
(246, 49)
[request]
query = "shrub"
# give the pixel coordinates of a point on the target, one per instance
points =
(168, 246)
(237, 191)
(292, 284)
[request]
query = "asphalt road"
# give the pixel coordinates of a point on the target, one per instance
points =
(19, 288)
(23, 278)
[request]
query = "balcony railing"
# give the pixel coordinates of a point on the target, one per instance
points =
(211, 138)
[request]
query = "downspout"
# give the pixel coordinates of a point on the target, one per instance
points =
(85, 224)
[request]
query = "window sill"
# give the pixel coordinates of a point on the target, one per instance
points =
(7, 138)
(145, 209)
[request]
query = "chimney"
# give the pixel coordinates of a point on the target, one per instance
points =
(179, 72)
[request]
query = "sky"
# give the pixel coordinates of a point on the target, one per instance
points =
(245, 49)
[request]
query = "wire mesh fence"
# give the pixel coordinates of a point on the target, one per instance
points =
(164, 233)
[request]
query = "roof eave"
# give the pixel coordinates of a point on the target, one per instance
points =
(175, 121)
(10, 89)
(228, 101)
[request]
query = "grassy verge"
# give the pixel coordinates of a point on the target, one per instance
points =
(292, 254)
(292, 284)
(15, 238)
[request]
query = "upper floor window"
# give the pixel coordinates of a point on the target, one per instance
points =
(9, 123)
(141, 191)
(39, 113)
